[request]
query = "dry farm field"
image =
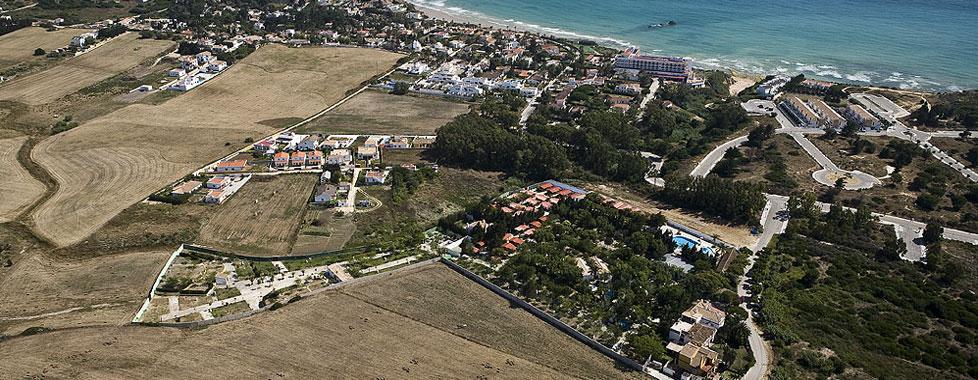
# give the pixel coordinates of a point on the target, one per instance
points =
(18, 46)
(117, 55)
(58, 292)
(381, 113)
(423, 323)
(262, 218)
(18, 189)
(113, 161)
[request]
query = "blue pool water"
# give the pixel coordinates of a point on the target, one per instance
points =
(928, 45)
(683, 241)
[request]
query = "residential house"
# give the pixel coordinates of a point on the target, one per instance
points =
(860, 116)
(266, 146)
(297, 159)
(423, 142)
(218, 182)
(280, 160)
(217, 196)
(376, 177)
(325, 193)
(374, 141)
(178, 72)
(315, 158)
(628, 89)
(367, 153)
(398, 142)
(231, 166)
(829, 118)
(465, 91)
(185, 188)
(216, 66)
(339, 157)
(802, 113)
(308, 143)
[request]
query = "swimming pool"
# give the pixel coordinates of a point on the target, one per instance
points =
(683, 241)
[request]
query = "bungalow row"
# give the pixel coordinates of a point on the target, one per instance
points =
(283, 160)
(814, 113)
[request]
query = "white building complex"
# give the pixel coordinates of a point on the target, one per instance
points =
(674, 68)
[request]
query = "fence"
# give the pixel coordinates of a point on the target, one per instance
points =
(156, 283)
(545, 317)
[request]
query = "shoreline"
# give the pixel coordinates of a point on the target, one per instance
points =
(738, 74)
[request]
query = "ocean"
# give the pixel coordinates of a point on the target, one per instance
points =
(920, 45)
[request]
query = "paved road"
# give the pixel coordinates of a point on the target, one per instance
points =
(830, 171)
(653, 88)
(881, 105)
(706, 165)
(774, 219)
(532, 103)
(351, 196)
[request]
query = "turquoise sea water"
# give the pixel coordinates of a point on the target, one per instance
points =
(899, 43)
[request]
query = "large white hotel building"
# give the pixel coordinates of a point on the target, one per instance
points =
(675, 68)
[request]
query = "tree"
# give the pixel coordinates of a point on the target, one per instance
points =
(39, 52)
(400, 88)
(927, 201)
(972, 155)
(645, 346)
(933, 233)
(759, 135)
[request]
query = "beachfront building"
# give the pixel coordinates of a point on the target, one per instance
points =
(857, 114)
(802, 113)
(671, 68)
(772, 86)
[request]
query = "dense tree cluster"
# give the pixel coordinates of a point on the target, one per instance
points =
(829, 307)
(477, 142)
(739, 202)
(950, 110)
(405, 182)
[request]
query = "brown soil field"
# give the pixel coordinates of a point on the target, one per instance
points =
(18, 46)
(106, 289)
(262, 218)
(332, 234)
(412, 330)
(381, 113)
(18, 187)
(117, 55)
(113, 161)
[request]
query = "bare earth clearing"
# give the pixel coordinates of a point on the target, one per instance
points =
(262, 218)
(115, 160)
(382, 113)
(106, 289)
(119, 54)
(364, 331)
(18, 189)
(18, 46)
